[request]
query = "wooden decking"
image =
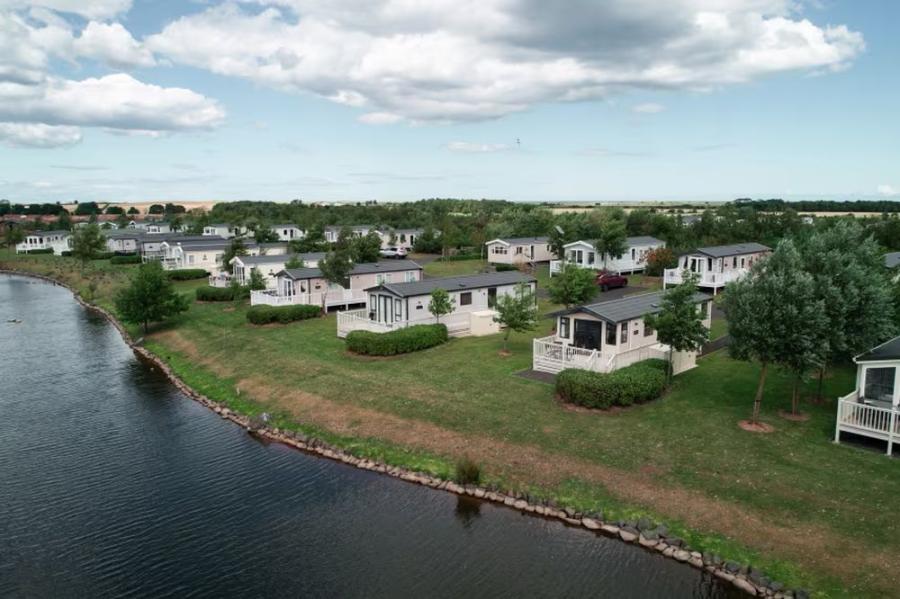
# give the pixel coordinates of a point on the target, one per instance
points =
(854, 416)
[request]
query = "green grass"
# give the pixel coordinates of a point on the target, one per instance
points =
(719, 328)
(794, 479)
(454, 268)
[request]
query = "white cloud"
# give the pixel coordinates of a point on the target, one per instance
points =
(478, 59)
(648, 108)
(91, 9)
(113, 44)
(475, 148)
(380, 118)
(38, 135)
(888, 190)
(115, 101)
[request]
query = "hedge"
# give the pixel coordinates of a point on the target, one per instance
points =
(637, 383)
(282, 314)
(125, 259)
(505, 267)
(43, 251)
(214, 294)
(187, 274)
(401, 341)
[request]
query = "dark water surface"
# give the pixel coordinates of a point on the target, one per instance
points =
(113, 484)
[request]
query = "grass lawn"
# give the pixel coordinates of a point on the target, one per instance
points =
(807, 510)
(718, 328)
(455, 268)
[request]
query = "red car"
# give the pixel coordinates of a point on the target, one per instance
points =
(608, 280)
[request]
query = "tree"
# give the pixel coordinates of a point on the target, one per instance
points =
(87, 243)
(133, 211)
(335, 268)
(264, 234)
(366, 248)
(114, 210)
(64, 221)
(679, 324)
(572, 285)
(156, 209)
(150, 297)
(257, 282)
(517, 312)
(294, 262)
(851, 281)
(610, 242)
(235, 248)
(14, 236)
(772, 315)
(87, 208)
(121, 220)
(658, 260)
(428, 242)
(440, 303)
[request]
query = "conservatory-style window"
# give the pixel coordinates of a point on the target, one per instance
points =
(879, 383)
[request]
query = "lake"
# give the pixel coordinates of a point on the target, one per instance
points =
(114, 484)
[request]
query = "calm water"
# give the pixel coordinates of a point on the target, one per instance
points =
(114, 484)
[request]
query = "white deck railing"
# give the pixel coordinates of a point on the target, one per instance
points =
(358, 320)
(674, 276)
(550, 355)
(333, 297)
(557, 265)
(222, 279)
(867, 420)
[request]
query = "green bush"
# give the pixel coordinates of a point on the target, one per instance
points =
(633, 384)
(214, 294)
(125, 259)
(505, 267)
(282, 314)
(468, 472)
(104, 256)
(401, 341)
(187, 274)
(46, 251)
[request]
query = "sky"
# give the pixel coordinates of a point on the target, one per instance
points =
(527, 100)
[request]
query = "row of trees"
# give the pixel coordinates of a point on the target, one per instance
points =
(811, 303)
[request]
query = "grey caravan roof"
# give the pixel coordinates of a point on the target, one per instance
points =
(426, 286)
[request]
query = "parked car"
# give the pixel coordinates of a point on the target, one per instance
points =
(393, 252)
(611, 280)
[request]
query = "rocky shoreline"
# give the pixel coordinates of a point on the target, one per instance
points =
(648, 534)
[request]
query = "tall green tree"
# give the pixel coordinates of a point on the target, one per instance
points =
(235, 248)
(88, 243)
(572, 285)
(850, 279)
(14, 235)
(366, 248)
(440, 303)
(772, 315)
(610, 238)
(294, 262)
(257, 282)
(335, 268)
(149, 297)
(680, 321)
(516, 311)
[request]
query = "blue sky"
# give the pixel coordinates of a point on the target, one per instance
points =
(399, 100)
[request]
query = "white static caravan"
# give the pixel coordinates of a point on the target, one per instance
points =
(398, 305)
(519, 250)
(585, 255)
(717, 266)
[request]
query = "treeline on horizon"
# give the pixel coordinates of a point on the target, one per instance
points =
(464, 223)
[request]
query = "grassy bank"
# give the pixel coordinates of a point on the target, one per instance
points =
(810, 512)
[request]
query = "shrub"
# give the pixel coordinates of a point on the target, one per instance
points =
(505, 267)
(125, 259)
(468, 472)
(187, 274)
(282, 314)
(47, 251)
(401, 341)
(214, 294)
(637, 383)
(104, 256)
